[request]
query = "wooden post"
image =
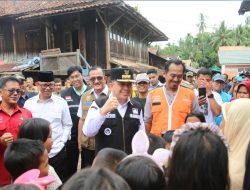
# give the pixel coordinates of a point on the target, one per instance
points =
(14, 39)
(107, 48)
(47, 33)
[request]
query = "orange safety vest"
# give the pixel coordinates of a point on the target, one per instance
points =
(169, 117)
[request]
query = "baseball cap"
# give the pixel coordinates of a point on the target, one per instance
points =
(218, 77)
(142, 77)
(189, 73)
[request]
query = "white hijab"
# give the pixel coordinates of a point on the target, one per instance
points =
(237, 133)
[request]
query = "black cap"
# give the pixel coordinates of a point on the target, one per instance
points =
(122, 75)
(45, 76)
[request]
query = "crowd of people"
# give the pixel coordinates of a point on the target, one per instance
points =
(189, 131)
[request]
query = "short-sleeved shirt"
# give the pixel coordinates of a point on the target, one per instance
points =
(10, 124)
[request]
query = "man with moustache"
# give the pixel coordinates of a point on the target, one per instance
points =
(166, 107)
(114, 120)
(99, 88)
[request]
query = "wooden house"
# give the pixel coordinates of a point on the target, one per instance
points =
(106, 33)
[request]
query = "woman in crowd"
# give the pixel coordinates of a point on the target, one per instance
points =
(199, 159)
(237, 133)
(243, 90)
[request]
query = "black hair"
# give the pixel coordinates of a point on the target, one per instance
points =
(204, 71)
(20, 187)
(96, 179)
(199, 115)
(167, 136)
(108, 158)
(176, 62)
(141, 173)
(73, 69)
(34, 128)
(23, 155)
(57, 80)
(199, 161)
(246, 184)
(150, 71)
(4, 80)
(155, 142)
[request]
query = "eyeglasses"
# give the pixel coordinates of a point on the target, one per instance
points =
(99, 78)
(45, 85)
(13, 90)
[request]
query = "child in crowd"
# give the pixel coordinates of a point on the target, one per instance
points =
(155, 142)
(96, 179)
(195, 117)
(20, 187)
(25, 154)
(168, 138)
(142, 173)
(39, 129)
(108, 158)
(199, 158)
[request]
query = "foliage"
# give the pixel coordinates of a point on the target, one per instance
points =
(202, 48)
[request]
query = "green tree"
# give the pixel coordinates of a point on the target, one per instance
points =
(222, 37)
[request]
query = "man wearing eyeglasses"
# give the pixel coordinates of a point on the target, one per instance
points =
(11, 117)
(114, 120)
(73, 95)
(54, 109)
(99, 88)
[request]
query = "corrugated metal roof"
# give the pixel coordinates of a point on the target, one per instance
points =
(234, 57)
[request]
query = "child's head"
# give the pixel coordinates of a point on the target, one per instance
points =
(155, 142)
(37, 129)
(141, 173)
(25, 154)
(168, 138)
(108, 158)
(20, 187)
(195, 117)
(199, 157)
(96, 179)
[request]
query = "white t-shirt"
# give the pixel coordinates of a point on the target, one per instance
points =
(206, 109)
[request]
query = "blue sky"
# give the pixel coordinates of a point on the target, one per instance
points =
(177, 18)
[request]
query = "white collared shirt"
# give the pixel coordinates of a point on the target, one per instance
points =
(56, 111)
(104, 91)
(94, 119)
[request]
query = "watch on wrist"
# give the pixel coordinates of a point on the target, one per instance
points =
(210, 96)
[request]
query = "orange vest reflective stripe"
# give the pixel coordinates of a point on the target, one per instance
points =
(169, 117)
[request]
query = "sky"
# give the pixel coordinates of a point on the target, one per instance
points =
(177, 18)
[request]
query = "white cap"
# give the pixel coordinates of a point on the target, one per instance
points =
(142, 77)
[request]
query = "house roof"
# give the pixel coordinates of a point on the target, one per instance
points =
(13, 67)
(34, 8)
(244, 7)
(234, 55)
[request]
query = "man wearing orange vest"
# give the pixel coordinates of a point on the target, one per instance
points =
(166, 107)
